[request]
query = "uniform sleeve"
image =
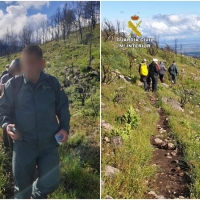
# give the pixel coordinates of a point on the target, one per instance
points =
(6, 105)
(176, 70)
(62, 107)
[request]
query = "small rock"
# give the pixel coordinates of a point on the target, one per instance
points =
(147, 109)
(174, 153)
(164, 99)
(146, 182)
(108, 197)
(161, 131)
(168, 157)
(159, 127)
(191, 112)
(165, 85)
(110, 171)
(181, 197)
(158, 141)
(107, 139)
(181, 174)
(137, 110)
(173, 103)
(120, 88)
(125, 78)
(117, 141)
(106, 125)
(177, 169)
(171, 146)
(152, 193)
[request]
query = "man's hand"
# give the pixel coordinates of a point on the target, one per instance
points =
(64, 134)
(14, 136)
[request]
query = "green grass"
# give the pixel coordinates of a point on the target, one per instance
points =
(80, 156)
(133, 158)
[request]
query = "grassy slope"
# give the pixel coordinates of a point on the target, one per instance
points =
(133, 158)
(80, 155)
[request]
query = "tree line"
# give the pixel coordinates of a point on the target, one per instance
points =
(73, 16)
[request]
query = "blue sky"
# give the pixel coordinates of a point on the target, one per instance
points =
(114, 10)
(47, 8)
(168, 20)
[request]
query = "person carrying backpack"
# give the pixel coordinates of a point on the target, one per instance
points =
(173, 71)
(153, 75)
(162, 72)
(36, 105)
(5, 72)
(14, 69)
(143, 70)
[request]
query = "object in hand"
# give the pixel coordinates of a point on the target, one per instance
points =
(58, 138)
(12, 129)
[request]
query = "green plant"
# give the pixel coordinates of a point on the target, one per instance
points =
(131, 117)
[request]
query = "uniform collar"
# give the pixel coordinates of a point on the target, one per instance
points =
(42, 77)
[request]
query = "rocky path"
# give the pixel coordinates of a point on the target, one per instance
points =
(172, 177)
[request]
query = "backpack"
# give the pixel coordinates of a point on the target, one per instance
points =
(158, 67)
(18, 80)
(143, 69)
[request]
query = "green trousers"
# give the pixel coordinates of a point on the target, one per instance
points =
(25, 158)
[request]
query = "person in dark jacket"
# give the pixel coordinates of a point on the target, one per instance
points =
(14, 69)
(173, 71)
(38, 111)
(162, 72)
(153, 75)
(5, 72)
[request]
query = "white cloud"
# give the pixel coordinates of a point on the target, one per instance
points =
(35, 4)
(16, 16)
(171, 26)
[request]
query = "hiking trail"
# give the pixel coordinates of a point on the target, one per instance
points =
(172, 178)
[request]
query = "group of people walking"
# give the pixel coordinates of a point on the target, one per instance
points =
(150, 73)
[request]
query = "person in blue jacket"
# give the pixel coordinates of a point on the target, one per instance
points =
(38, 110)
(162, 71)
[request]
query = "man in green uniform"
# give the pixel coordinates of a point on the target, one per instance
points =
(173, 71)
(36, 105)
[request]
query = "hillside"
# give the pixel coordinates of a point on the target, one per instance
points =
(150, 141)
(80, 156)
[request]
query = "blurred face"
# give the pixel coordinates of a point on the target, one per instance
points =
(32, 65)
